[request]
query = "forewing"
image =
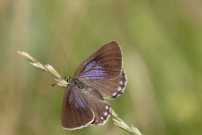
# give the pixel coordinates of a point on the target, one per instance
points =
(76, 112)
(104, 63)
(103, 71)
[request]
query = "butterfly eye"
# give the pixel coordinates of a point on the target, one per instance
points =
(66, 79)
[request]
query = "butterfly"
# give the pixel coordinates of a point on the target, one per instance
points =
(100, 76)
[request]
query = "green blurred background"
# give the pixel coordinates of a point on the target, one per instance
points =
(162, 48)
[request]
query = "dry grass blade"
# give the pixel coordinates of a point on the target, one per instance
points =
(52, 70)
(47, 68)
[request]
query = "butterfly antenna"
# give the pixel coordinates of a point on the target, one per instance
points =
(53, 84)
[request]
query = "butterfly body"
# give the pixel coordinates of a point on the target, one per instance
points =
(100, 76)
(76, 82)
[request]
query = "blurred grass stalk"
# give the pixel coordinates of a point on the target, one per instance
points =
(48, 68)
(61, 82)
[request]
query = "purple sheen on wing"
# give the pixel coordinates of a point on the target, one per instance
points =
(95, 77)
(94, 73)
(89, 65)
(80, 102)
(75, 98)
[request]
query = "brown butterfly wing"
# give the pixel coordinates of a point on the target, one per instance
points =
(103, 71)
(76, 112)
(110, 87)
(96, 102)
